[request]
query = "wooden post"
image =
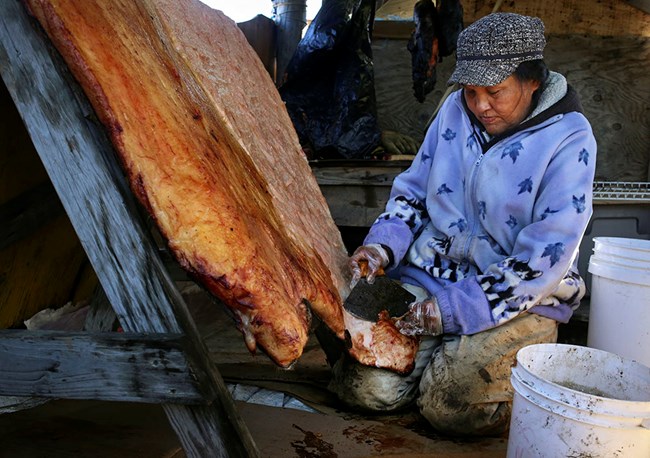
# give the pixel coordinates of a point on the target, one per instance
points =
(82, 166)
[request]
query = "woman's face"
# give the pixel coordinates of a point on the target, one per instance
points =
(503, 106)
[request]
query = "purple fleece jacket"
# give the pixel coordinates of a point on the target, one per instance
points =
(491, 226)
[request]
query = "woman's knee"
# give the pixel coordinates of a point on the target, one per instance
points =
(370, 388)
(374, 389)
(488, 419)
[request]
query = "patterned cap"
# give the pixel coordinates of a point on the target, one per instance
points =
(491, 49)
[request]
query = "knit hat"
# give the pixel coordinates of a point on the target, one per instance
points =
(491, 49)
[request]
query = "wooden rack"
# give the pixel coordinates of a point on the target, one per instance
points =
(160, 358)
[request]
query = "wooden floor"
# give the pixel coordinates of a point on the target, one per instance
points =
(61, 429)
(290, 413)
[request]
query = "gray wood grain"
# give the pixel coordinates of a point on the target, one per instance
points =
(82, 166)
(104, 366)
(101, 316)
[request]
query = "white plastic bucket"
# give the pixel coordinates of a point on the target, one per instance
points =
(578, 401)
(619, 314)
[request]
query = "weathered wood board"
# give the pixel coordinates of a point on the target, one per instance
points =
(357, 192)
(104, 366)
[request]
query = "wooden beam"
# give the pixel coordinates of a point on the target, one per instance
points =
(83, 168)
(101, 316)
(107, 366)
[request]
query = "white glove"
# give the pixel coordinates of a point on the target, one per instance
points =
(367, 261)
(422, 319)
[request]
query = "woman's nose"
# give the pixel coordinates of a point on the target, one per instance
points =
(482, 103)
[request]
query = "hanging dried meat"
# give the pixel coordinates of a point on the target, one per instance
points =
(437, 27)
(211, 153)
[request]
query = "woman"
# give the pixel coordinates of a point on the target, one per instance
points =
(485, 226)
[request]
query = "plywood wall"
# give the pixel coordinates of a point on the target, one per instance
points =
(610, 71)
(594, 17)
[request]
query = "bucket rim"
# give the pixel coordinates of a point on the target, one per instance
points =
(625, 242)
(619, 258)
(608, 405)
(623, 416)
(635, 275)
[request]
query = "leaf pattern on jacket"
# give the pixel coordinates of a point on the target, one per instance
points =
(512, 150)
(583, 156)
(444, 189)
(449, 135)
(526, 186)
(472, 142)
(579, 203)
(547, 212)
(426, 157)
(554, 252)
(461, 224)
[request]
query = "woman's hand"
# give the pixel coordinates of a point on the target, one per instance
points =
(422, 319)
(367, 261)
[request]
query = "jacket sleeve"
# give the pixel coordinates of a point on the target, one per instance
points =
(405, 214)
(543, 252)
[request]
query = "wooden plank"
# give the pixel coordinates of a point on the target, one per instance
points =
(397, 108)
(356, 206)
(82, 166)
(356, 192)
(101, 316)
(371, 173)
(106, 366)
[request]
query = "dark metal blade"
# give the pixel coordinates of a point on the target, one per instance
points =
(366, 301)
